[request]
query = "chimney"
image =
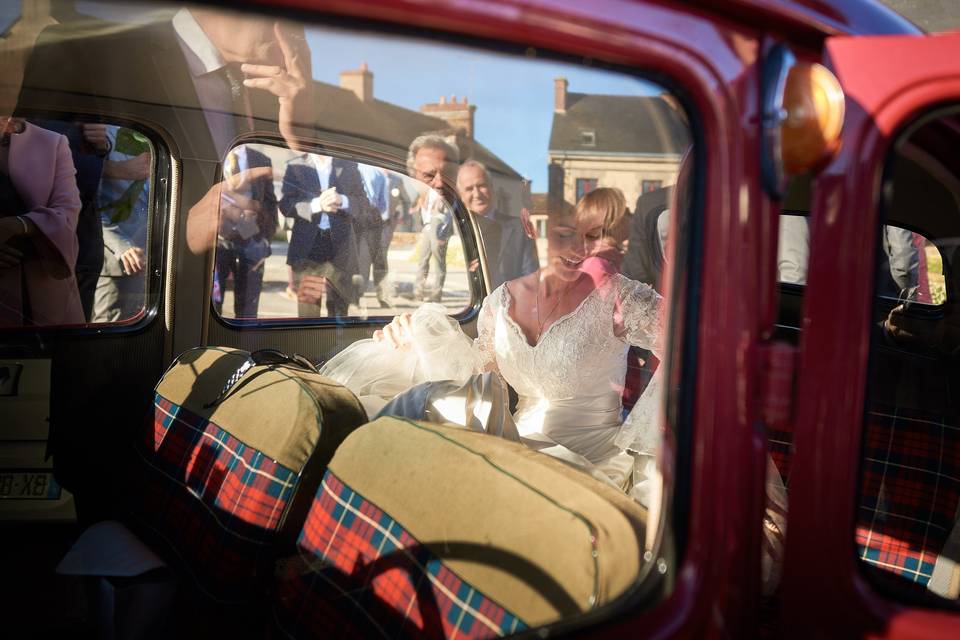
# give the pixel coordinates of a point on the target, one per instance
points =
(560, 94)
(459, 114)
(359, 81)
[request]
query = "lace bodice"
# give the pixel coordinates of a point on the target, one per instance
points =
(582, 353)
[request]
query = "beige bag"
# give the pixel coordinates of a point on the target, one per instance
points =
(441, 531)
(237, 448)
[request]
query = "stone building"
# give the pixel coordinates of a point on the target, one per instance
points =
(633, 143)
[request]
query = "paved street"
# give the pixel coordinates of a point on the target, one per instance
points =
(402, 259)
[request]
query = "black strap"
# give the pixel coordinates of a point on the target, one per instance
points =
(262, 357)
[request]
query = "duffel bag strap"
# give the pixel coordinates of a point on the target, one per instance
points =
(269, 357)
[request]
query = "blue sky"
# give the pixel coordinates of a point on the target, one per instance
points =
(514, 96)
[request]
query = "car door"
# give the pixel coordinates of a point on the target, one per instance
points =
(700, 564)
(872, 501)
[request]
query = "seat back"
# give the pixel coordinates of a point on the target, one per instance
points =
(423, 530)
(225, 482)
(910, 490)
(910, 471)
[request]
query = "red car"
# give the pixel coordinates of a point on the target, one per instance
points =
(705, 251)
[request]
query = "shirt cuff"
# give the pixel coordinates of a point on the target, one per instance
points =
(315, 203)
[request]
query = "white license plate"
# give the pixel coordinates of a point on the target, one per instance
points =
(28, 485)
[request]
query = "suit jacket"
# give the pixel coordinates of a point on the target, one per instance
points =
(261, 191)
(300, 185)
(644, 258)
(518, 254)
(115, 69)
(42, 171)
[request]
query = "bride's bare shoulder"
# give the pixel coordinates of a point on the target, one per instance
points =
(523, 284)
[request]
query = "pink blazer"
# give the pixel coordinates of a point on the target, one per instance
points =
(41, 169)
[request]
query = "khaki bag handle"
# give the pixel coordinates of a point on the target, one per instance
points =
(268, 357)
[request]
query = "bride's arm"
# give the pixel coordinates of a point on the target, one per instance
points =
(401, 333)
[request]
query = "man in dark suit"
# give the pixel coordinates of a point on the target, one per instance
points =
(644, 258)
(322, 194)
(509, 251)
(205, 77)
(208, 75)
(244, 244)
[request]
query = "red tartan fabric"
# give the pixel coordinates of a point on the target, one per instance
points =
(780, 447)
(641, 365)
(214, 501)
(910, 491)
(361, 574)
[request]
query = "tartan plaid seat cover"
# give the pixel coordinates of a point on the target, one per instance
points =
(780, 447)
(425, 530)
(641, 365)
(222, 484)
(910, 490)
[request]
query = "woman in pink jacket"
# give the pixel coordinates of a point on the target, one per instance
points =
(39, 206)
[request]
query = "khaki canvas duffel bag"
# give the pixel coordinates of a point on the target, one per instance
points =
(427, 530)
(236, 450)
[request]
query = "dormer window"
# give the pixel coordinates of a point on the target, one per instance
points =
(588, 138)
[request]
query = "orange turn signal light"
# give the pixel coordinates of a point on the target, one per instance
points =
(813, 110)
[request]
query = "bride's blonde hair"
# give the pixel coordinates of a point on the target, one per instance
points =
(610, 206)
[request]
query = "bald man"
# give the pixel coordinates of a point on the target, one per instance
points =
(510, 253)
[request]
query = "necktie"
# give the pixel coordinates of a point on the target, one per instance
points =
(238, 95)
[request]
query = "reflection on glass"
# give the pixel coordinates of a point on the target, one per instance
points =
(123, 205)
(323, 236)
(78, 252)
(248, 221)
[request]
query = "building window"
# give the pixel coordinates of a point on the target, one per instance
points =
(585, 186)
(588, 138)
(646, 186)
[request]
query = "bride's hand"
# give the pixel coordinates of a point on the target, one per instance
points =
(396, 333)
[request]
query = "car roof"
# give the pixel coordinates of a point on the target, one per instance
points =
(835, 17)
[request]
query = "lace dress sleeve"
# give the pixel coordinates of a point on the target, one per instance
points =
(637, 320)
(486, 326)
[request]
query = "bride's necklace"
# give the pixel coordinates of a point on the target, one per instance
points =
(552, 309)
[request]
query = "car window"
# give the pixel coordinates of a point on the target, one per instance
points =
(508, 225)
(79, 196)
(907, 532)
(322, 236)
(911, 267)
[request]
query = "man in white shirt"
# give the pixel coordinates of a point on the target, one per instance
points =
(321, 194)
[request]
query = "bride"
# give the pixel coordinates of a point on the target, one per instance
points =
(559, 337)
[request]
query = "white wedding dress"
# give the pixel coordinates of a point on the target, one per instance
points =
(569, 384)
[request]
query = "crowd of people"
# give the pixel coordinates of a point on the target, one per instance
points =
(340, 215)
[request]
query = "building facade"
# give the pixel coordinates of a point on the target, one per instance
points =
(632, 143)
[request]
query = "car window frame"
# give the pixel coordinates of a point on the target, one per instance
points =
(158, 221)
